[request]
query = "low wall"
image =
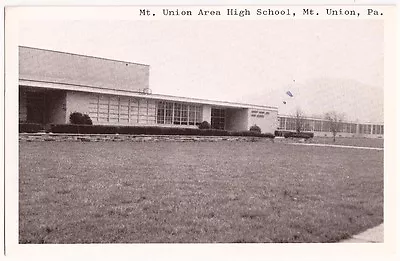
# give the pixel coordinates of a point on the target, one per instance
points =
(28, 137)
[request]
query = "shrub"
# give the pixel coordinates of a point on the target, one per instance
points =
(87, 120)
(148, 130)
(204, 125)
(304, 135)
(243, 133)
(30, 127)
(64, 128)
(80, 118)
(255, 128)
(281, 133)
(268, 135)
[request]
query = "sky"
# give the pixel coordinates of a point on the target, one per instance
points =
(327, 64)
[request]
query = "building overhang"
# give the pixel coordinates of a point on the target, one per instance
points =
(92, 89)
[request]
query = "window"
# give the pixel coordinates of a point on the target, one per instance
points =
(218, 118)
(192, 115)
(377, 129)
(178, 113)
(349, 127)
(169, 108)
(290, 124)
(364, 129)
(160, 113)
(345, 127)
(369, 129)
(318, 126)
(122, 110)
(307, 125)
(282, 123)
(199, 114)
(353, 128)
(326, 126)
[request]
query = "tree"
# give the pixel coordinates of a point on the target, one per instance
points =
(299, 121)
(335, 122)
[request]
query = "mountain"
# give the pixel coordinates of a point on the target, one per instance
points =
(358, 101)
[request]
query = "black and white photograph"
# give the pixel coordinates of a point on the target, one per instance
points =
(221, 125)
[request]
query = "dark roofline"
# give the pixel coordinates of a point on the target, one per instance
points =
(82, 55)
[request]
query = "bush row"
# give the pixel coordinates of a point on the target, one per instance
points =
(281, 133)
(149, 130)
(30, 127)
(304, 135)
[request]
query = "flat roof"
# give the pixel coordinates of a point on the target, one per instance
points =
(86, 85)
(62, 67)
(83, 55)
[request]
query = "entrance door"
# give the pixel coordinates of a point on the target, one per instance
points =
(36, 107)
(218, 118)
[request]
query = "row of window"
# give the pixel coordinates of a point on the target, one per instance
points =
(324, 126)
(366, 128)
(178, 113)
(114, 109)
(377, 129)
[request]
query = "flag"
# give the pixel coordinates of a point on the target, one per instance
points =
(289, 93)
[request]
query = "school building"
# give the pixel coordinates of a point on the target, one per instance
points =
(321, 127)
(54, 84)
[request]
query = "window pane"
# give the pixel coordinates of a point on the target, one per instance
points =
(184, 115)
(177, 114)
(160, 112)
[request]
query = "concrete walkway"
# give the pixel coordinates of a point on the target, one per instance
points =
(335, 146)
(372, 235)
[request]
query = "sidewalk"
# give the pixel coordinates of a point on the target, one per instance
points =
(372, 235)
(335, 146)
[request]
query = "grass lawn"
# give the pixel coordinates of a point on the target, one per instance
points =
(358, 142)
(126, 192)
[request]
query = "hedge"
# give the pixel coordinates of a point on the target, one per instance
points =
(30, 127)
(304, 135)
(281, 133)
(148, 130)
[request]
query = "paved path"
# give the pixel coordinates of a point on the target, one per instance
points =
(336, 146)
(372, 235)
